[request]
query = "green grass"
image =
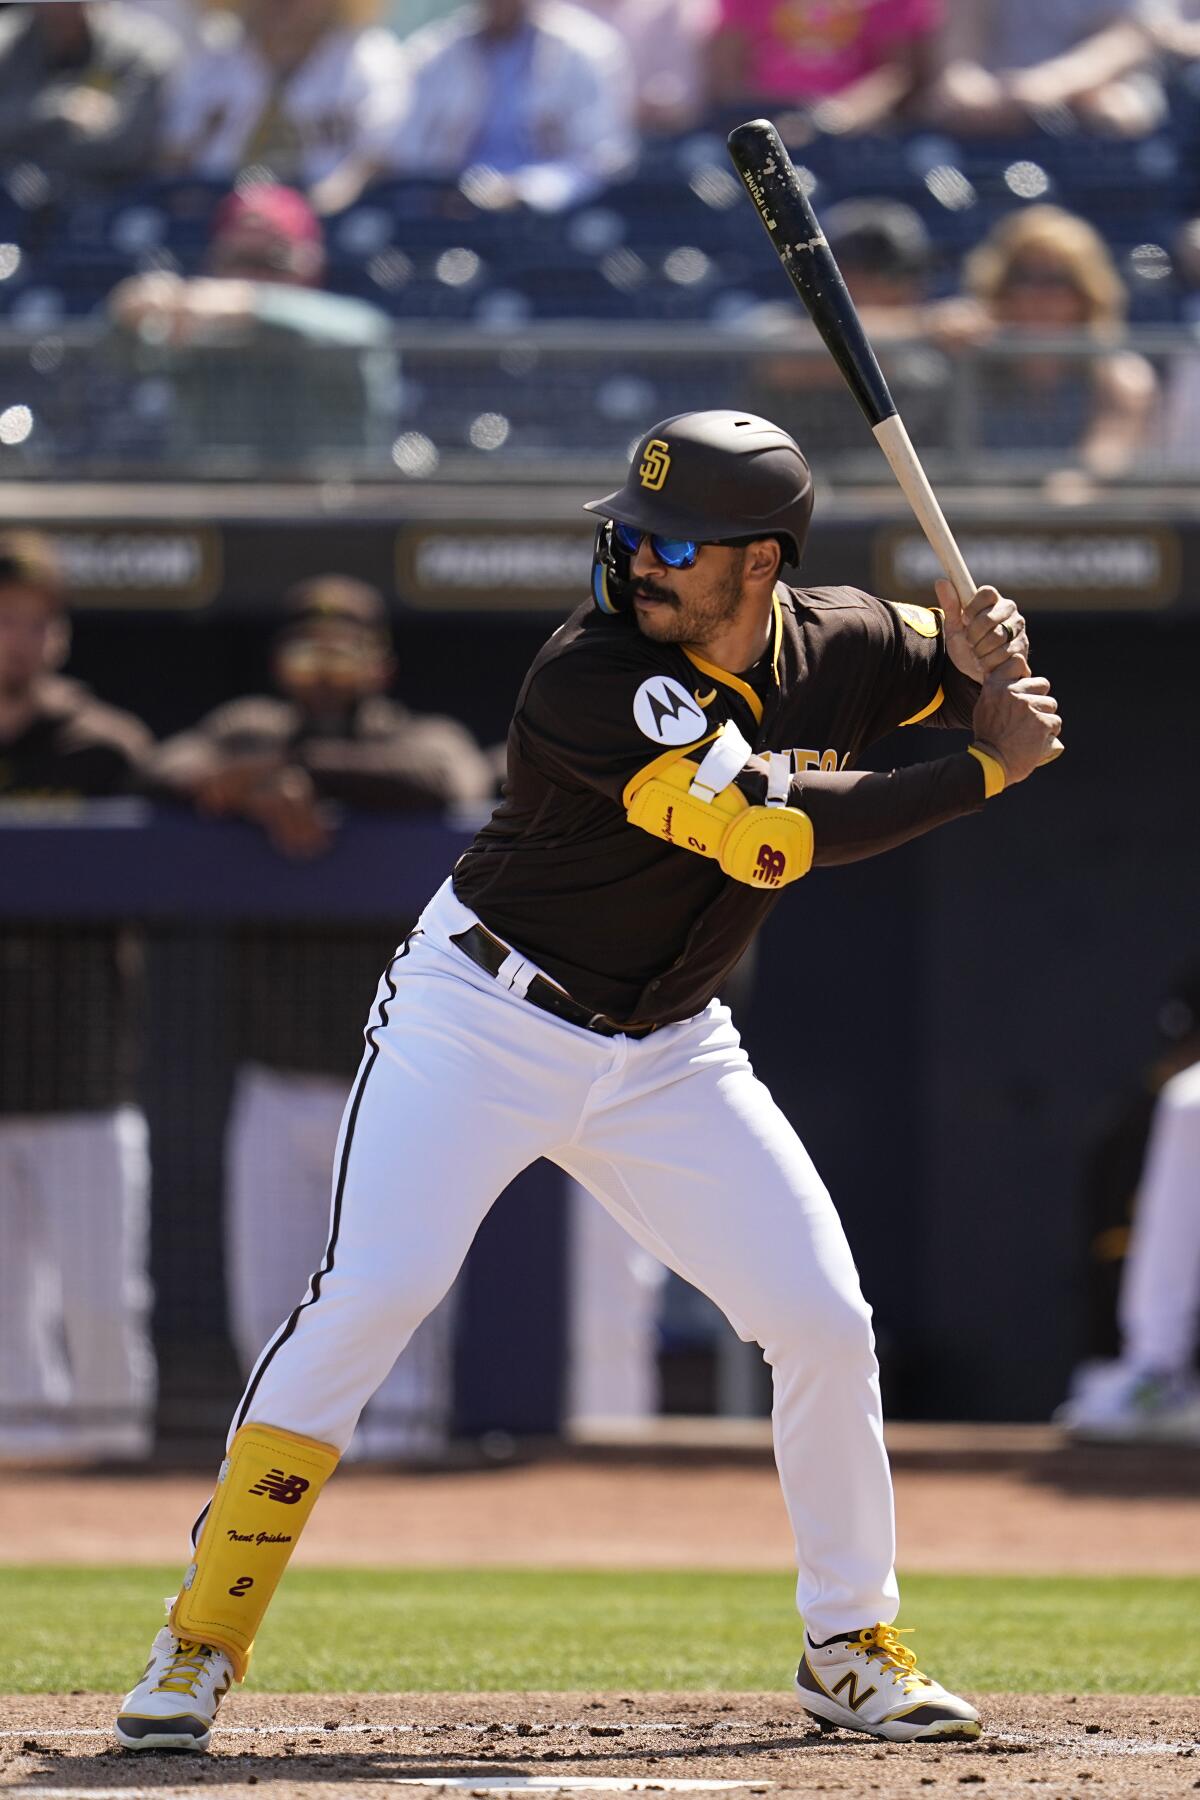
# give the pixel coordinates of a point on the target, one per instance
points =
(359, 1630)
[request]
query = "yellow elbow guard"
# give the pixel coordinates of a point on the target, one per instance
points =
(267, 1487)
(768, 846)
(764, 846)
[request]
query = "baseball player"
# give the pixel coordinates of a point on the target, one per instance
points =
(77, 1374)
(330, 733)
(680, 753)
(1148, 1166)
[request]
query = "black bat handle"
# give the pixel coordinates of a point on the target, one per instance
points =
(773, 185)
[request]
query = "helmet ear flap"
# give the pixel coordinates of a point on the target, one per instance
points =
(612, 575)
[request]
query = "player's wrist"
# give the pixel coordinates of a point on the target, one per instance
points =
(995, 774)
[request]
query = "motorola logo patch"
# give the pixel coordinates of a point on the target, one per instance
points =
(665, 712)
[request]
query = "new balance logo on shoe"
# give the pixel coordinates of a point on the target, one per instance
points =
(275, 1485)
(854, 1699)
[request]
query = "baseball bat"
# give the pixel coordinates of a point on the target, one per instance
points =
(773, 185)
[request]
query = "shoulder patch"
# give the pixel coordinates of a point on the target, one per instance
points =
(665, 712)
(922, 619)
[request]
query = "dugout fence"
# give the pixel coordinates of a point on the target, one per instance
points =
(135, 933)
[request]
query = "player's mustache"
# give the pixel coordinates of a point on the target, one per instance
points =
(650, 590)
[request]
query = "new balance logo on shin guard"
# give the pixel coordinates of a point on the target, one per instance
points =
(287, 1489)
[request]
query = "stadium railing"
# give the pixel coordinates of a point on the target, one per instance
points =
(550, 402)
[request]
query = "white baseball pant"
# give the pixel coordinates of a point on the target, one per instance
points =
(1160, 1290)
(462, 1085)
(279, 1149)
(76, 1365)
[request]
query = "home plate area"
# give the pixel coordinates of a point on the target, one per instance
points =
(359, 1746)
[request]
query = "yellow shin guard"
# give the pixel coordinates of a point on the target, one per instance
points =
(266, 1489)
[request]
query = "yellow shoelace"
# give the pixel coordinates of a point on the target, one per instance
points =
(882, 1642)
(191, 1657)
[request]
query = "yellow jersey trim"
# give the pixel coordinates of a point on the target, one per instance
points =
(926, 710)
(716, 673)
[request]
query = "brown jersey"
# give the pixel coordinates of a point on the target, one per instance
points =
(69, 993)
(643, 930)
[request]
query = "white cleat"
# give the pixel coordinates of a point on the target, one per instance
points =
(174, 1704)
(869, 1681)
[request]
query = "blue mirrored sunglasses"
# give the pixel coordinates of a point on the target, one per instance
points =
(674, 553)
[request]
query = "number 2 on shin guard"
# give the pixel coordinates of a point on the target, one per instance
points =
(266, 1490)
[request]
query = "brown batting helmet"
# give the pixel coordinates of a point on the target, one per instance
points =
(709, 475)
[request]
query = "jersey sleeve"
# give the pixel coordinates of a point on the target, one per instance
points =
(856, 813)
(908, 651)
(902, 668)
(594, 721)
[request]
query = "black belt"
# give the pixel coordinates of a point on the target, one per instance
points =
(489, 953)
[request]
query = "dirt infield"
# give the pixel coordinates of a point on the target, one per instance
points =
(366, 1746)
(969, 1500)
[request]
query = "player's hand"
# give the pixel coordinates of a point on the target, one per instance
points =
(987, 634)
(228, 788)
(1018, 723)
(287, 808)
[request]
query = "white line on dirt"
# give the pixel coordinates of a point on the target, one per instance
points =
(556, 1784)
(1096, 1744)
(445, 1725)
(542, 1784)
(1092, 1745)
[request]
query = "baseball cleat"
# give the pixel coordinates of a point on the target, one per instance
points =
(869, 1681)
(1115, 1404)
(175, 1702)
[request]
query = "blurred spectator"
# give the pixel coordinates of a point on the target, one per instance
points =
(406, 16)
(298, 90)
(1007, 63)
(76, 1367)
(1173, 27)
(1179, 438)
(1044, 272)
(81, 88)
(531, 100)
(263, 365)
(302, 993)
(886, 258)
(665, 42)
(855, 63)
(1142, 1188)
(184, 19)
